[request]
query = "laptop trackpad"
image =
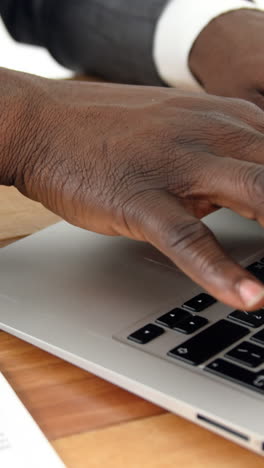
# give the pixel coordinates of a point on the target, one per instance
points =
(69, 279)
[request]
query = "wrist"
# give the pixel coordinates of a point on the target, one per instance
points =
(19, 120)
(223, 46)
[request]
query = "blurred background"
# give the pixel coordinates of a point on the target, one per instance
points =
(28, 58)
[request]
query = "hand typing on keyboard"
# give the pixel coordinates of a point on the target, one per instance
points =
(142, 162)
(229, 347)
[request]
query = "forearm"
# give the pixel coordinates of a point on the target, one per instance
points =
(23, 100)
(110, 39)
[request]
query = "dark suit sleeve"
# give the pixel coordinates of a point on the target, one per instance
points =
(108, 38)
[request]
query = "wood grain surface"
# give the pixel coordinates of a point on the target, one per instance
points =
(90, 422)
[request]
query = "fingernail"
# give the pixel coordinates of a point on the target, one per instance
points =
(251, 293)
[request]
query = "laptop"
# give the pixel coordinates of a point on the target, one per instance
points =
(120, 309)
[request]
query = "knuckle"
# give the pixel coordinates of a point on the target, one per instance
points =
(194, 242)
(184, 235)
(249, 142)
(243, 105)
(249, 106)
(255, 141)
(217, 116)
(243, 141)
(252, 181)
(249, 109)
(239, 131)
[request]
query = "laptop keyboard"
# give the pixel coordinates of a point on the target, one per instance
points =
(146, 334)
(215, 347)
(250, 319)
(199, 303)
(247, 353)
(209, 342)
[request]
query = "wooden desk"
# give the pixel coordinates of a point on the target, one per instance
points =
(90, 422)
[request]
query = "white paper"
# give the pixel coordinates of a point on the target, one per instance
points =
(22, 444)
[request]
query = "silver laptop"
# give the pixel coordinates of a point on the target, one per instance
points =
(121, 310)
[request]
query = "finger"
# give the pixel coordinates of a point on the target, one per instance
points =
(238, 131)
(241, 140)
(256, 96)
(238, 185)
(193, 248)
(246, 107)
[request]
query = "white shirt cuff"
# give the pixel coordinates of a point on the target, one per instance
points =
(177, 29)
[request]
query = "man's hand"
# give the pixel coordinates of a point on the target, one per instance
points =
(228, 56)
(146, 163)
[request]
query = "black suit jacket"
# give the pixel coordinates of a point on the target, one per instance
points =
(108, 38)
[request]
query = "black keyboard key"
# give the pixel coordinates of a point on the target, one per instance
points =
(259, 337)
(146, 334)
(250, 319)
(199, 303)
(209, 342)
(257, 269)
(173, 317)
(227, 370)
(248, 354)
(191, 325)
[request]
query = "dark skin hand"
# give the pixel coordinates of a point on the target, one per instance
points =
(227, 57)
(146, 163)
